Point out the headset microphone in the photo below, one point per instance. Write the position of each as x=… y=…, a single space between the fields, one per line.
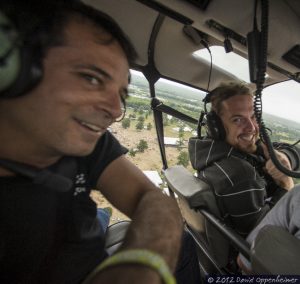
x=43 y=177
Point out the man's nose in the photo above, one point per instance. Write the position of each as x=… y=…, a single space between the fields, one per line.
x=251 y=124
x=114 y=103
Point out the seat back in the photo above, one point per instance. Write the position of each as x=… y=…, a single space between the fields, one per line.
x=194 y=195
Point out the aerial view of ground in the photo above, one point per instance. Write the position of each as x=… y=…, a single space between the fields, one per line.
x=149 y=160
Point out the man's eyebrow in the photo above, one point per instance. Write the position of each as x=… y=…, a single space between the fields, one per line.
x=99 y=70
x=236 y=116
x=95 y=69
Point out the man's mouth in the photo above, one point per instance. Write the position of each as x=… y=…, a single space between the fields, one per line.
x=248 y=137
x=91 y=126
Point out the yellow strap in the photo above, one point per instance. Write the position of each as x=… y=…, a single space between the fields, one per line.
x=137 y=256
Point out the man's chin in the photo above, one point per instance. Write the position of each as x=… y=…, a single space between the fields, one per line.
x=250 y=149
x=82 y=151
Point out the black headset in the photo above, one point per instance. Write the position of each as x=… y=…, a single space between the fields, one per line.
x=213 y=123
x=215 y=128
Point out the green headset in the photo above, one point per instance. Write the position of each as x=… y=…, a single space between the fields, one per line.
x=23 y=32
x=20 y=66
x=9 y=55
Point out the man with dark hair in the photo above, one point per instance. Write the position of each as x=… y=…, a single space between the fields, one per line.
x=55 y=148
x=236 y=163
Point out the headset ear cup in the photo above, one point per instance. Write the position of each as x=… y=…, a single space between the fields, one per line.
x=215 y=126
x=29 y=75
x=20 y=66
x=9 y=55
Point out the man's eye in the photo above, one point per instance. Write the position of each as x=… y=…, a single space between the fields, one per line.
x=237 y=120
x=91 y=79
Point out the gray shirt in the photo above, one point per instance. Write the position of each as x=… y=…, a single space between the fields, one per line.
x=285 y=214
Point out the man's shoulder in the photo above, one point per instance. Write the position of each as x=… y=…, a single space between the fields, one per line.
x=235 y=166
x=107 y=150
x=106 y=144
x=204 y=152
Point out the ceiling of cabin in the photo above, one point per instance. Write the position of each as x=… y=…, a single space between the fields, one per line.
x=173 y=49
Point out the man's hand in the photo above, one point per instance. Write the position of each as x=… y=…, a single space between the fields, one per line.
x=280 y=178
x=156 y=220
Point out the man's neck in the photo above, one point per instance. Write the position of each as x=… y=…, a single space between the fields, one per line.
x=18 y=146
x=23 y=155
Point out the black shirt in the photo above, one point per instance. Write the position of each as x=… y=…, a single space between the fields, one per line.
x=52 y=236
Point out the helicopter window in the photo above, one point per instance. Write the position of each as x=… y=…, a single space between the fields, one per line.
x=283 y=100
x=182 y=98
x=224 y=61
x=137 y=130
x=177 y=132
x=281 y=112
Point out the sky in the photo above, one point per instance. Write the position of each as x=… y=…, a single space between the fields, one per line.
x=283 y=100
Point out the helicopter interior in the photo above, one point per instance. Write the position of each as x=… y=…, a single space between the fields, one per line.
x=166 y=35
x=180 y=41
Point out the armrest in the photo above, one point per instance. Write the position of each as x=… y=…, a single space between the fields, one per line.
x=196 y=192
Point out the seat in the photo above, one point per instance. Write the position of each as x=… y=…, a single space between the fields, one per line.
x=115 y=235
x=203 y=220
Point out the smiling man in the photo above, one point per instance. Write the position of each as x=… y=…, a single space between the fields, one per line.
x=49 y=231
x=236 y=163
x=239 y=122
